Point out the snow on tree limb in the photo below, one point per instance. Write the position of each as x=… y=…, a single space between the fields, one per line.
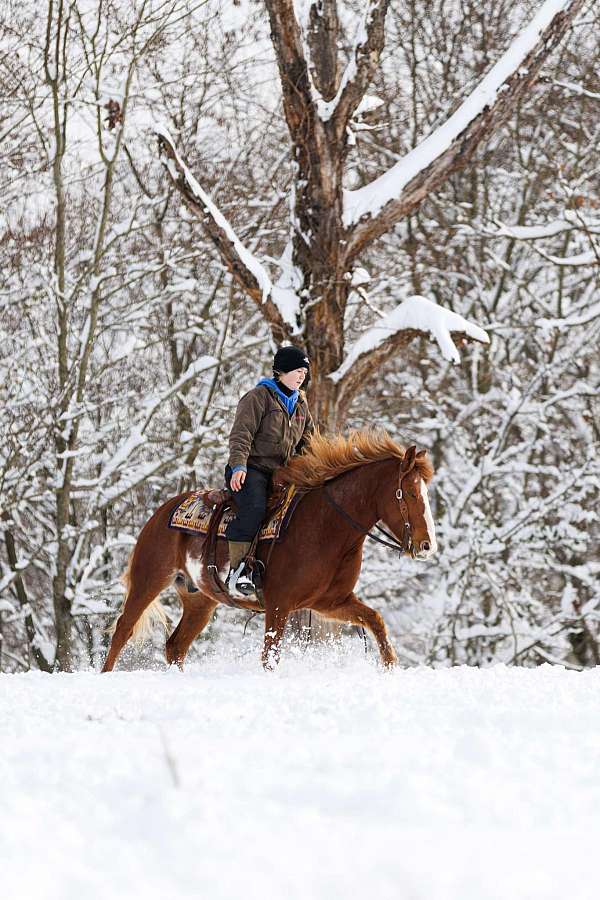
x=137 y=436
x=415 y=315
x=570 y=222
x=277 y=305
x=370 y=199
x=577 y=318
x=587 y=258
x=577 y=89
x=153 y=403
x=376 y=207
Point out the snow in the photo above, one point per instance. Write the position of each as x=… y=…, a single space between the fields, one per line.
x=359 y=276
x=371 y=198
x=416 y=313
x=134 y=439
x=284 y=292
x=288 y=304
x=368 y=103
x=329 y=778
x=533 y=232
x=153 y=402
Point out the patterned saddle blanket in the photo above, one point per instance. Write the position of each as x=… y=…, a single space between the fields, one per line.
x=193 y=515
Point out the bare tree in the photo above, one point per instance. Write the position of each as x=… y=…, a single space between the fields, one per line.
x=330 y=227
x=80 y=46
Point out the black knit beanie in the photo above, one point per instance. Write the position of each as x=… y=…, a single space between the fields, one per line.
x=289 y=358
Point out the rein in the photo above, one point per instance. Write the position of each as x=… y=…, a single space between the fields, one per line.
x=405 y=545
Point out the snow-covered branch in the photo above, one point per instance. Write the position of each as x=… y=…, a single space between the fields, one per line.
x=570 y=222
x=586 y=258
x=373 y=209
x=279 y=305
x=577 y=89
x=580 y=317
x=415 y=315
x=137 y=435
x=364 y=59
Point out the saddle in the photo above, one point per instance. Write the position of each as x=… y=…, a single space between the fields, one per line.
x=195 y=514
x=209 y=512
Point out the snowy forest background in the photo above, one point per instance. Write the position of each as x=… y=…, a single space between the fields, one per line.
x=118 y=384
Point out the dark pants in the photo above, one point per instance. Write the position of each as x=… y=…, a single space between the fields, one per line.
x=251 y=501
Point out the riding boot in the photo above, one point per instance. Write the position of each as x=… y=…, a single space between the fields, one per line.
x=237 y=580
x=237 y=552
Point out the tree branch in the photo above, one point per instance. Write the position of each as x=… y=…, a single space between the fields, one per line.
x=415 y=317
x=42 y=663
x=367 y=364
x=363 y=65
x=293 y=67
x=377 y=207
x=323 y=42
x=247 y=271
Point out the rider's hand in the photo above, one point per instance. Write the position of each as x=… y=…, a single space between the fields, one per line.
x=237 y=479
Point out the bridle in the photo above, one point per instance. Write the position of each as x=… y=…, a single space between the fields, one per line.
x=406 y=544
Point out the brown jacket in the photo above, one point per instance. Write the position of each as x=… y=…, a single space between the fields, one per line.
x=264 y=435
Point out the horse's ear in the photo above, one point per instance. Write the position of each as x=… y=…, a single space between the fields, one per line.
x=408 y=460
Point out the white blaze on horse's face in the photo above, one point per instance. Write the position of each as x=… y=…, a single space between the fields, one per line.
x=425 y=554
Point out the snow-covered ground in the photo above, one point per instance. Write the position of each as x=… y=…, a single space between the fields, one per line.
x=330 y=778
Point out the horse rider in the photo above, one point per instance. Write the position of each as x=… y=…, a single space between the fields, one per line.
x=272 y=423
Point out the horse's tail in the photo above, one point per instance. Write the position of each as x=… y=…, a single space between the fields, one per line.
x=153 y=614
x=144 y=627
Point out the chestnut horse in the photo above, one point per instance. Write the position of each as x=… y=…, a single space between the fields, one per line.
x=353 y=482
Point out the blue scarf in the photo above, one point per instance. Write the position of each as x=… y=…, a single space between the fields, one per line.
x=288 y=402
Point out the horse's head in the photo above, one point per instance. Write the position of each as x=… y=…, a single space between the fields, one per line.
x=405 y=509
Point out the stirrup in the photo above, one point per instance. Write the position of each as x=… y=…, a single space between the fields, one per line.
x=238 y=582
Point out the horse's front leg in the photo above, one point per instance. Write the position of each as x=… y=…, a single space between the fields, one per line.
x=275 y=621
x=356 y=612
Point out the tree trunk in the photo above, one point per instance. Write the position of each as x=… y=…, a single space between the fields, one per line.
x=32 y=641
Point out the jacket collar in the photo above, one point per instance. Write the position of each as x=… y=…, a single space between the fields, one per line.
x=289 y=403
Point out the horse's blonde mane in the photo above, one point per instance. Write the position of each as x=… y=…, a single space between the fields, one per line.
x=327 y=456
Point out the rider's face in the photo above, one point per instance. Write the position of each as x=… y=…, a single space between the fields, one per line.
x=293 y=380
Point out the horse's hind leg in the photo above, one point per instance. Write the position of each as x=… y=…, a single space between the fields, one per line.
x=197 y=613
x=356 y=612
x=143 y=589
